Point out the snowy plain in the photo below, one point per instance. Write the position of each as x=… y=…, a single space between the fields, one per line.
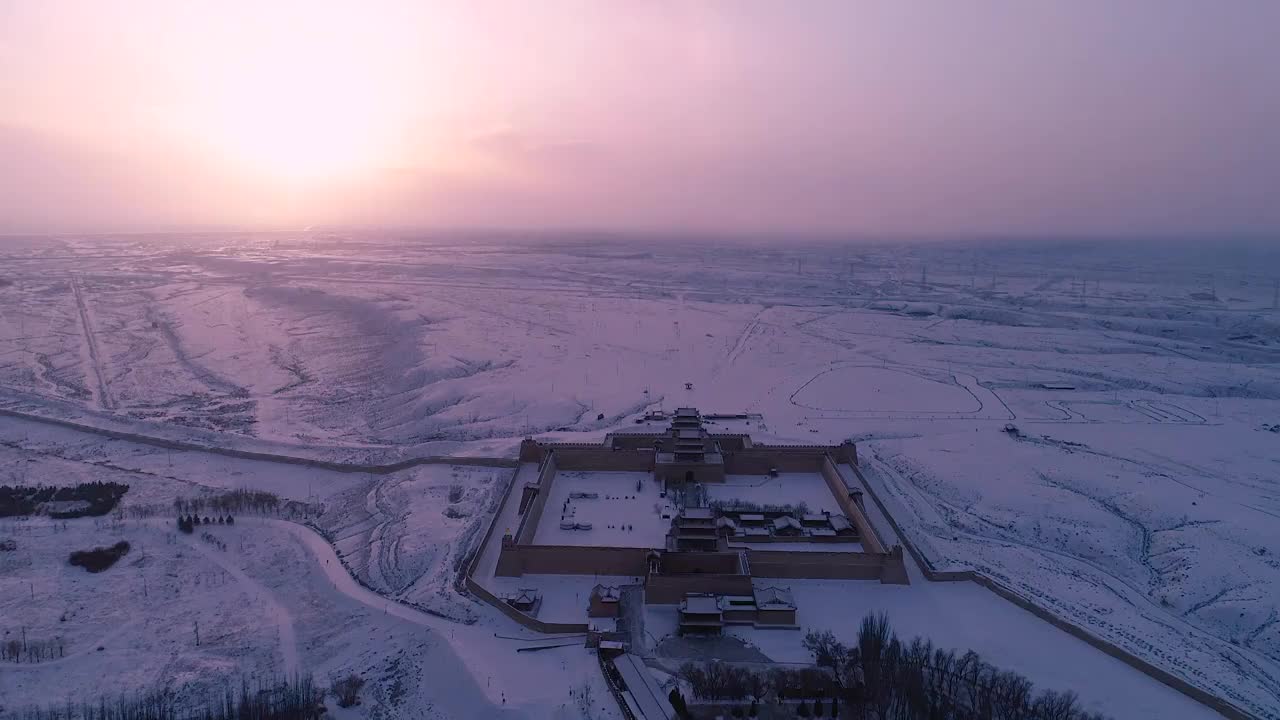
x=1139 y=497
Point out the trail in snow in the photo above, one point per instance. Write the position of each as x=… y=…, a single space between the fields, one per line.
x=276 y=612
x=744 y=337
x=104 y=397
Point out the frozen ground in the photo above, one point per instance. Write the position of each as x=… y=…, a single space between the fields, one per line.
x=1140 y=500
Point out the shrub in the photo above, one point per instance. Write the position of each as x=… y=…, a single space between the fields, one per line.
x=99 y=559
x=347 y=690
x=455 y=493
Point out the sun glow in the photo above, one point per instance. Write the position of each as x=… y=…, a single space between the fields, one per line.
x=303 y=105
x=297 y=134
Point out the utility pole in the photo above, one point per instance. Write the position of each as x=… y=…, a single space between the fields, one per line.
x=197 y=626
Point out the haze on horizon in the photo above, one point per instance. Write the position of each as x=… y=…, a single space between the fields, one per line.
x=1146 y=117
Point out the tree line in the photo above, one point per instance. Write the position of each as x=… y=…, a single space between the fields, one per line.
x=31 y=651
x=188 y=523
x=881 y=677
x=296 y=698
x=233 y=501
x=885 y=678
x=87 y=499
x=245 y=500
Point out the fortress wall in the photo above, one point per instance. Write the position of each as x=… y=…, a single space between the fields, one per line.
x=759 y=462
x=671 y=589
x=576 y=560
x=870 y=540
x=724 y=563
x=604 y=459
x=529 y=523
x=816 y=565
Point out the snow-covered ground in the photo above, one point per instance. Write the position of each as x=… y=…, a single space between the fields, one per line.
x=607 y=509
x=1139 y=500
x=792 y=488
x=275 y=600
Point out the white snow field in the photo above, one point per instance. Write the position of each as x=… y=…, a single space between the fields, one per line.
x=1138 y=498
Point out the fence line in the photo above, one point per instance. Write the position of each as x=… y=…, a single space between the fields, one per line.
x=373 y=468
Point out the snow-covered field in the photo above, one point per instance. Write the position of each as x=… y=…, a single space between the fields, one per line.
x=1139 y=498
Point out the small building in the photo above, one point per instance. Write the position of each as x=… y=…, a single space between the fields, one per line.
x=787 y=526
x=842 y=527
x=775 y=606
x=751 y=518
x=526 y=600
x=738 y=609
x=605 y=601
x=815 y=519
x=700 y=614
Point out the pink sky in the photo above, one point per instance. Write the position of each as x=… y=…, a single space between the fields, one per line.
x=981 y=117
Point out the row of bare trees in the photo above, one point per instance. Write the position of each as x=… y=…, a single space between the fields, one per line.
x=297 y=698
x=31 y=651
x=885 y=678
x=720 y=682
x=232 y=501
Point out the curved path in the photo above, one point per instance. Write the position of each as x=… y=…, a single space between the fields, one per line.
x=276 y=612
x=483 y=652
